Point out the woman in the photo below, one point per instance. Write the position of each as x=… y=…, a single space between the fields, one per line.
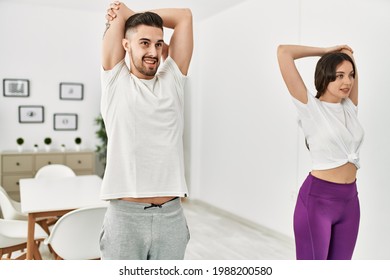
x=327 y=214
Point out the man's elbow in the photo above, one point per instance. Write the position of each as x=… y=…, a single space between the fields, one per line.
x=187 y=14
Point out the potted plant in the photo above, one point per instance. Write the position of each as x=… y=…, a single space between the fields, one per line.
x=77 y=140
x=101 y=134
x=62 y=147
x=35 y=148
x=47 y=142
x=20 y=142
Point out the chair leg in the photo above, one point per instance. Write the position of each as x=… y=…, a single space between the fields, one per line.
x=9 y=250
x=22 y=257
x=55 y=255
x=45 y=225
x=50 y=249
x=37 y=254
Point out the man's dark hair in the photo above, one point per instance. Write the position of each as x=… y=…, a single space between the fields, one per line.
x=146 y=18
x=326 y=70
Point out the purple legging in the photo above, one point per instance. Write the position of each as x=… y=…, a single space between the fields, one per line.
x=326 y=220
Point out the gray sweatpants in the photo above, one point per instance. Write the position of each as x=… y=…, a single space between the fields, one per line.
x=140 y=231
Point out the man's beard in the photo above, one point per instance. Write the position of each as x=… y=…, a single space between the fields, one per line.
x=144 y=70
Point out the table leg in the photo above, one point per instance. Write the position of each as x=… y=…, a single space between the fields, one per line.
x=30 y=237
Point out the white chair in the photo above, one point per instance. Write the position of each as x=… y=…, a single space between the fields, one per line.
x=76 y=235
x=10 y=208
x=13 y=237
x=54 y=170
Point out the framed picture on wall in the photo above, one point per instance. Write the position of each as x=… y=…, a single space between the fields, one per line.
x=71 y=91
x=16 y=88
x=31 y=114
x=65 y=121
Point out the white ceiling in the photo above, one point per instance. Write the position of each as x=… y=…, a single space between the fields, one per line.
x=201 y=9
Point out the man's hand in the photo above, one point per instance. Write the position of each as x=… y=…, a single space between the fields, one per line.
x=112 y=48
x=111 y=11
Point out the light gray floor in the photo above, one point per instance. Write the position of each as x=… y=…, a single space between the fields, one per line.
x=217 y=235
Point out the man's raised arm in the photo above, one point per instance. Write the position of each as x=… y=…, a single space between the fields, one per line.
x=112 y=49
x=182 y=43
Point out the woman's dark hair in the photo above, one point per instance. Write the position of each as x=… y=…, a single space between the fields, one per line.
x=326 y=70
x=146 y=18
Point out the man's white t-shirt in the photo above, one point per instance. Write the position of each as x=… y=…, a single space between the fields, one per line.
x=144 y=122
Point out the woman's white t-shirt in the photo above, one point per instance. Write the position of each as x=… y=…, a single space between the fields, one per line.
x=332 y=130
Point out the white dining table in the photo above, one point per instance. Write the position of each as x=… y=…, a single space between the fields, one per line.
x=48 y=197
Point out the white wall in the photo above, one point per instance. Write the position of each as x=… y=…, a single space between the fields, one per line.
x=251 y=158
x=48 y=46
x=248 y=134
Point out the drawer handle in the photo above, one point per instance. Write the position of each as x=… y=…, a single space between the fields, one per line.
x=79 y=161
x=17 y=183
x=49 y=162
x=17 y=164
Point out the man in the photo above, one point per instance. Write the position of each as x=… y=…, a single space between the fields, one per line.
x=142 y=108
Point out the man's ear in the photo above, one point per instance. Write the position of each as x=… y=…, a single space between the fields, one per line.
x=126 y=44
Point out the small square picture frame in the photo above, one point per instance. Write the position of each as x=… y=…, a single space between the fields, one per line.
x=16 y=88
x=64 y=121
x=31 y=114
x=71 y=91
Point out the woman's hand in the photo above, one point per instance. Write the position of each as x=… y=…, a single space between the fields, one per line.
x=340 y=48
